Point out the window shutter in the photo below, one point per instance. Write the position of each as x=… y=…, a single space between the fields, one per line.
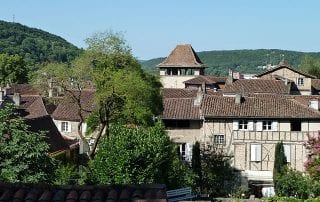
x=274 y=126
x=59 y=126
x=84 y=128
x=189 y=147
x=235 y=125
x=250 y=125
x=287 y=152
x=69 y=126
x=259 y=125
x=256 y=152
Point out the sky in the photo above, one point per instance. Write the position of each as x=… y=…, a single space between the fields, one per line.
x=153 y=28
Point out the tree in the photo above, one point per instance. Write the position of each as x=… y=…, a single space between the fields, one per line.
x=124 y=92
x=196 y=167
x=218 y=176
x=280 y=166
x=311 y=65
x=312 y=165
x=138 y=155
x=12 y=69
x=23 y=154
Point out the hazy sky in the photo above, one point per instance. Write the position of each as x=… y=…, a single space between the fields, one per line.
x=153 y=28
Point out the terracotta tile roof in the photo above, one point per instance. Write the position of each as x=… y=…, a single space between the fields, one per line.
x=206 y=79
x=22 y=89
x=56 y=141
x=68 y=109
x=247 y=86
x=182 y=56
x=37 y=192
x=180 y=108
x=32 y=107
x=284 y=64
x=305 y=99
x=315 y=83
x=254 y=107
x=185 y=92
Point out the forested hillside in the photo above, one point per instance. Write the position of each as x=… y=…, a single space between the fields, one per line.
x=34 y=45
x=246 y=61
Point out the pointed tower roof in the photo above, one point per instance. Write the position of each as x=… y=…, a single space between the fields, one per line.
x=182 y=56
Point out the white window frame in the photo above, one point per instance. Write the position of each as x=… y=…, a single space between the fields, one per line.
x=243 y=124
x=255 y=152
x=300 y=81
x=219 y=139
x=182 y=149
x=267 y=125
x=64 y=126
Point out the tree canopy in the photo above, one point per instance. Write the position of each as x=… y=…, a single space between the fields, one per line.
x=137 y=155
x=23 y=154
x=12 y=69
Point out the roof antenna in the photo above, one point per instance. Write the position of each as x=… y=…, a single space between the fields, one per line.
x=13 y=16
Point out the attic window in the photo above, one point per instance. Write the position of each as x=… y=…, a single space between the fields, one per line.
x=300 y=82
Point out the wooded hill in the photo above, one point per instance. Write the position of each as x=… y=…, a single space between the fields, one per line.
x=35 y=45
x=246 y=61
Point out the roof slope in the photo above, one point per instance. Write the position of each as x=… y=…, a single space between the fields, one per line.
x=284 y=64
x=22 y=89
x=315 y=83
x=182 y=56
x=185 y=92
x=247 y=86
x=180 y=108
x=42 y=192
x=206 y=79
x=254 y=107
x=55 y=140
x=68 y=109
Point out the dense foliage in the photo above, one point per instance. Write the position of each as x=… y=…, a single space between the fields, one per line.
x=247 y=61
x=213 y=173
x=12 y=69
x=313 y=164
x=23 y=154
x=34 y=45
x=311 y=65
x=138 y=156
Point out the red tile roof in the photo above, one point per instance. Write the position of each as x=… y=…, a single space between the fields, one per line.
x=37 y=192
x=68 y=109
x=32 y=107
x=247 y=86
x=56 y=141
x=180 y=108
x=184 y=92
x=22 y=89
x=254 y=107
x=206 y=79
x=182 y=56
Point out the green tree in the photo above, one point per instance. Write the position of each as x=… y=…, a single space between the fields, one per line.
x=124 y=92
x=311 y=65
x=138 y=155
x=218 y=177
x=279 y=167
x=12 y=69
x=23 y=154
x=196 y=167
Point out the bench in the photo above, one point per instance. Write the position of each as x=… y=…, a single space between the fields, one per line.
x=179 y=194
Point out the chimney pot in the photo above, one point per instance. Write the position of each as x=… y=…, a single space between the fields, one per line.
x=238 y=99
x=16 y=99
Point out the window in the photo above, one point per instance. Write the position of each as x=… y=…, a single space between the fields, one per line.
x=255 y=152
x=287 y=152
x=185 y=151
x=243 y=125
x=218 y=139
x=64 y=127
x=267 y=125
x=295 y=125
x=300 y=82
x=177 y=123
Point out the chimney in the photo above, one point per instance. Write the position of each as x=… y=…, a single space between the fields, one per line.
x=16 y=99
x=314 y=104
x=197 y=101
x=203 y=87
x=230 y=77
x=1 y=95
x=238 y=99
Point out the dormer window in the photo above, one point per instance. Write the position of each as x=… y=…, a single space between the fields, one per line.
x=300 y=82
